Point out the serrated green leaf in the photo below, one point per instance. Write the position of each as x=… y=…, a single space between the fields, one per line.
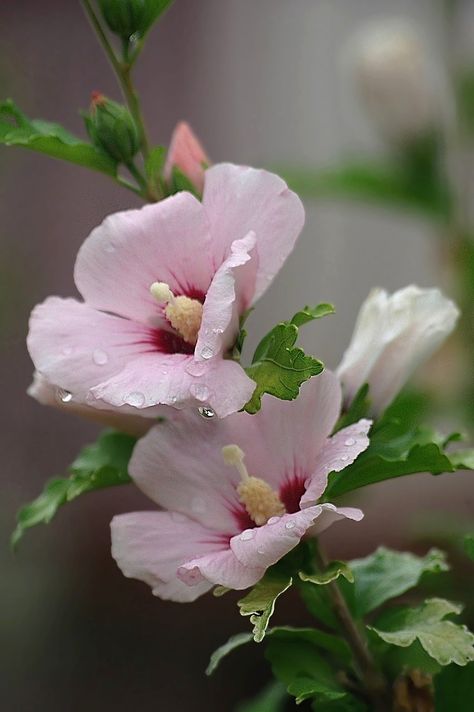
x=386 y=574
x=332 y=572
x=271 y=699
x=311 y=313
x=454 y=689
x=51 y=139
x=234 y=642
x=443 y=640
x=259 y=604
x=281 y=367
x=103 y=464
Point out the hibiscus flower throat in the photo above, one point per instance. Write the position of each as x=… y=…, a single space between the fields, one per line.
x=183 y=313
x=258 y=498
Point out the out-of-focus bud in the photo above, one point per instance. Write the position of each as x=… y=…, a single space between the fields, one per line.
x=186 y=154
x=131 y=18
x=398 y=79
x=393 y=335
x=112 y=128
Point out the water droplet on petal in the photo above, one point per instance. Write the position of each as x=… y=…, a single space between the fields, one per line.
x=290 y=525
x=206 y=412
x=64 y=396
x=217 y=331
x=100 y=357
x=196 y=368
x=136 y=399
x=260 y=551
x=206 y=353
x=200 y=391
x=246 y=535
x=273 y=520
x=344 y=458
x=349 y=442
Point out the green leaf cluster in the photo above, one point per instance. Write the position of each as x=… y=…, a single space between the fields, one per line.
x=103 y=464
x=279 y=367
x=259 y=604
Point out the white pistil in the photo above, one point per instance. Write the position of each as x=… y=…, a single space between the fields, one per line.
x=260 y=501
x=183 y=313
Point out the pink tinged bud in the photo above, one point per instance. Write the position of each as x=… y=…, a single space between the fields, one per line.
x=187 y=154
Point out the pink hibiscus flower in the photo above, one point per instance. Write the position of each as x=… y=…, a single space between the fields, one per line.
x=238 y=493
x=163 y=290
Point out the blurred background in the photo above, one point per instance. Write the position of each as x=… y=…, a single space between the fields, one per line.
x=269 y=84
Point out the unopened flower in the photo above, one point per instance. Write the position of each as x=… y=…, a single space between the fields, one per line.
x=238 y=494
x=398 y=80
x=164 y=288
x=393 y=335
x=112 y=129
x=186 y=154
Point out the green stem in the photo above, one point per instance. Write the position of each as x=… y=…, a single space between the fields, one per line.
x=373 y=681
x=123 y=71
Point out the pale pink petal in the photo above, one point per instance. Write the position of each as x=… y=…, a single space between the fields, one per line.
x=187 y=154
x=151 y=547
x=221 y=568
x=330 y=514
x=48 y=394
x=263 y=546
x=167 y=242
x=173 y=379
x=238 y=200
x=229 y=295
x=339 y=451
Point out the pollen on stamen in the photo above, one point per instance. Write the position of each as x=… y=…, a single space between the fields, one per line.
x=183 y=313
x=258 y=498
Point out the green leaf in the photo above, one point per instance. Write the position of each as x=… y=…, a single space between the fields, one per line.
x=103 y=464
x=359 y=408
x=443 y=640
x=51 y=139
x=272 y=699
x=311 y=313
x=386 y=574
x=259 y=604
x=454 y=688
x=235 y=641
x=180 y=181
x=332 y=572
x=279 y=368
x=469 y=545
x=304 y=688
x=462 y=459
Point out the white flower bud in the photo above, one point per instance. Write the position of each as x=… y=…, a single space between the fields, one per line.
x=393 y=335
x=398 y=79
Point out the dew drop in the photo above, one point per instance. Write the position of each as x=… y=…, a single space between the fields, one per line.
x=200 y=391
x=344 y=458
x=349 y=442
x=206 y=353
x=100 y=357
x=64 y=396
x=136 y=399
x=206 y=412
x=246 y=535
x=260 y=551
x=273 y=520
x=196 y=368
x=290 y=525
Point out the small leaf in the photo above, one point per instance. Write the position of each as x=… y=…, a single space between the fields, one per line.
x=235 y=641
x=103 y=464
x=304 y=688
x=332 y=572
x=311 y=313
x=52 y=139
x=454 y=688
x=281 y=367
x=443 y=640
x=259 y=604
x=386 y=574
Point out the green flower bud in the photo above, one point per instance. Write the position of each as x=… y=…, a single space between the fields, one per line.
x=112 y=128
x=127 y=18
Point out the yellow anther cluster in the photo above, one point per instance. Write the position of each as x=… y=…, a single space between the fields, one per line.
x=185 y=315
x=260 y=501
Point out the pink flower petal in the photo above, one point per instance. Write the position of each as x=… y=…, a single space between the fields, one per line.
x=221 y=568
x=151 y=547
x=166 y=242
x=238 y=200
x=339 y=451
x=229 y=295
x=187 y=154
x=47 y=394
x=330 y=514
